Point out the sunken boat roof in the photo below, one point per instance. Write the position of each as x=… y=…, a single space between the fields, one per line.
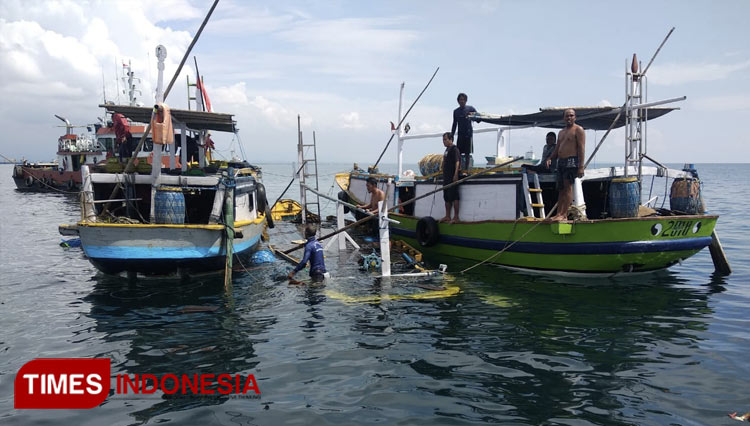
x=196 y=120
x=594 y=118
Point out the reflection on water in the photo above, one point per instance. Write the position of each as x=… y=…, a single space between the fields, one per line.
x=161 y=336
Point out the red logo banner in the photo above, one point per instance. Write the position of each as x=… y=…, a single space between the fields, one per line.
x=62 y=383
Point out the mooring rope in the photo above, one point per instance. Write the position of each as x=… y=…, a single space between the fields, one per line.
x=514 y=242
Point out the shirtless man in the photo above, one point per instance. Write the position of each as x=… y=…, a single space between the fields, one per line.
x=377 y=195
x=571 y=144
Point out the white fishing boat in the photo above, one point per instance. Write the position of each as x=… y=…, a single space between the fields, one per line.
x=188 y=218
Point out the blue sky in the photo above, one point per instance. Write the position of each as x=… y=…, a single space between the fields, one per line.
x=339 y=65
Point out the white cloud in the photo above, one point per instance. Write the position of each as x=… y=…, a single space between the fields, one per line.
x=723 y=103
x=231 y=96
x=278 y=114
x=350 y=120
x=680 y=73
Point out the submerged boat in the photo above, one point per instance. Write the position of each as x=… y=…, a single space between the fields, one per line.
x=503 y=209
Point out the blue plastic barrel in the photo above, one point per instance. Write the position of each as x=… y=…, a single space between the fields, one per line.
x=624 y=197
x=169 y=205
x=685 y=196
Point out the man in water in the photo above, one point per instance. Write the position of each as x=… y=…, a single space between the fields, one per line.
x=569 y=153
x=462 y=122
x=313 y=254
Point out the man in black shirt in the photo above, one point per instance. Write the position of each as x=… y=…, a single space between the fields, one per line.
x=450 y=174
x=462 y=122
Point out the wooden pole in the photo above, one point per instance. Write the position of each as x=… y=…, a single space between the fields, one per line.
x=229 y=240
x=131 y=161
x=721 y=263
x=404 y=117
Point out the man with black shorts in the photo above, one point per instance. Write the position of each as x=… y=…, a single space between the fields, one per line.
x=451 y=167
x=462 y=123
x=569 y=153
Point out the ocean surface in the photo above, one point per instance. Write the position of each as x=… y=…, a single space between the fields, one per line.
x=668 y=348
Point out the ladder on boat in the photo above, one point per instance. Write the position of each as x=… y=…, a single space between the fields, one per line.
x=533 y=204
x=303 y=150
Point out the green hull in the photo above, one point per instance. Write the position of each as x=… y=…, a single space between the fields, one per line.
x=596 y=246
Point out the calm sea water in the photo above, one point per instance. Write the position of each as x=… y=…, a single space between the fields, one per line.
x=664 y=348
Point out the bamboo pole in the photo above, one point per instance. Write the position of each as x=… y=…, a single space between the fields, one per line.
x=131 y=161
x=404 y=117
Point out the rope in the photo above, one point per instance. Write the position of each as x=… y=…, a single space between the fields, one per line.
x=52 y=187
x=514 y=242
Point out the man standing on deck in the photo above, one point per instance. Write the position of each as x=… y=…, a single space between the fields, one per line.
x=462 y=122
x=450 y=174
x=569 y=152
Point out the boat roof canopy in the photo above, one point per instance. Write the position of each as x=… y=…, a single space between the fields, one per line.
x=594 y=118
x=196 y=120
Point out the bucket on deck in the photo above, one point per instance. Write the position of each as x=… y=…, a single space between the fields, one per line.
x=685 y=196
x=169 y=205
x=624 y=197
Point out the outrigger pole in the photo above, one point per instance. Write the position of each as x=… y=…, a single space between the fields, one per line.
x=398 y=127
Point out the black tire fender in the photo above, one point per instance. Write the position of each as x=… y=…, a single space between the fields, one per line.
x=269 y=219
x=260 y=196
x=427 y=231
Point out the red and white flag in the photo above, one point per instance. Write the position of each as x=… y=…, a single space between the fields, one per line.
x=201 y=96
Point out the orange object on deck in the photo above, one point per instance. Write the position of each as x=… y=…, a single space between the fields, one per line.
x=161 y=125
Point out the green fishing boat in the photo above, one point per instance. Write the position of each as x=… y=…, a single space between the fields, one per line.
x=504 y=218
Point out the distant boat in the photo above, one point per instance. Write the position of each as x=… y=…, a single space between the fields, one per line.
x=73 y=151
x=93 y=146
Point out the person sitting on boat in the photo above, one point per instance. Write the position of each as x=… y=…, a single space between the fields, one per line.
x=462 y=123
x=313 y=254
x=377 y=195
x=549 y=148
x=451 y=159
x=569 y=153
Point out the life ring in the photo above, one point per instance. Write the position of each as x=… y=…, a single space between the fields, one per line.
x=70 y=185
x=29 y=181
x=344 y=196
x=427 y=231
